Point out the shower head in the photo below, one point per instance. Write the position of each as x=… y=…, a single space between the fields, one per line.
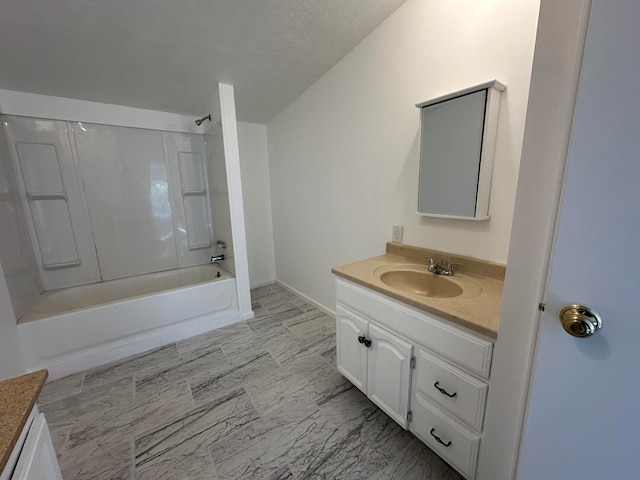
x=200 y=120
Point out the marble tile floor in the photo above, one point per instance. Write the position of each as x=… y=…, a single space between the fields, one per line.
x=260 y=399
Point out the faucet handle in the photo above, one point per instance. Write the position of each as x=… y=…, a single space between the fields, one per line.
x=451 y=265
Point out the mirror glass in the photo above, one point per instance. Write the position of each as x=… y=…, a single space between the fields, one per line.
x=455 y=163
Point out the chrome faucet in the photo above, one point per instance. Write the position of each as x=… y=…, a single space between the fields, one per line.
x=440 y=269
x=217 y=258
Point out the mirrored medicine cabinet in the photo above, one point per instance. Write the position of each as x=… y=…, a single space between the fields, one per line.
x=457 y=144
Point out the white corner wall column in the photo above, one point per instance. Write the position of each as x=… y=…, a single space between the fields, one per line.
x=222 y=106
x=256 y=194
x=554 y=83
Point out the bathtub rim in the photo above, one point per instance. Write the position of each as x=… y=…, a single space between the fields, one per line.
x=43 y=296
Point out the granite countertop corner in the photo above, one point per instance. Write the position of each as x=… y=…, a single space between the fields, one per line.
x=17 y=398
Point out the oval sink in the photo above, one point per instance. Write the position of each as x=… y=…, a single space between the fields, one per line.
x=421 y=283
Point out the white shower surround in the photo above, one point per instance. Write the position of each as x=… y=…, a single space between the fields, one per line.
x=75 y=341
x=73 y=338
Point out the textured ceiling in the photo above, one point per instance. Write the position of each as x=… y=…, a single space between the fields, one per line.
x=168 y=54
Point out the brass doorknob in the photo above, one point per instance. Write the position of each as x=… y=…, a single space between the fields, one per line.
x=580 y=320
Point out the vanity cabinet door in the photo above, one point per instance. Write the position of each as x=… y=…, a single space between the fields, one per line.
x=351 y=354
x=389 y=373
x=38 y=459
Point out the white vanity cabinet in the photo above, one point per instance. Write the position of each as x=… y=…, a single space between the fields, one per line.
x=428 y=374
x=33 y=457
x=376 y=361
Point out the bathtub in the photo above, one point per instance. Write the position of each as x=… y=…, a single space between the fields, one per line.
x=72 y=329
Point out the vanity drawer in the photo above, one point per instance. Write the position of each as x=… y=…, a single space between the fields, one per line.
x=462 y=395
x=457 y=445
x=463 y=348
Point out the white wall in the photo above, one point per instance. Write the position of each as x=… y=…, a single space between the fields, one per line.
x=344 y=155
x=256 y=193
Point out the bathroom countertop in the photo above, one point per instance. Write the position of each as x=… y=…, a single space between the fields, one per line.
x=17 y=397
x=478 y=310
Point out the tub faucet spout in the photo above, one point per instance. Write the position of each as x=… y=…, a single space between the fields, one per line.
x=217 y=258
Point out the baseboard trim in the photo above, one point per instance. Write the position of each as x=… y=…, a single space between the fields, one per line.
x=307 y=299
x=263 y=284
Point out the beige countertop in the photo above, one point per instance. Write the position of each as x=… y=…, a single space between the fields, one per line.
x=477 y=308
x=17 y=397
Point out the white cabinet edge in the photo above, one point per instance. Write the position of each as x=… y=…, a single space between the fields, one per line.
x=481 y=365
x=499 y=86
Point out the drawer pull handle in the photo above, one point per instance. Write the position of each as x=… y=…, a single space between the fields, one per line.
x=444 y=392
x=438 y=439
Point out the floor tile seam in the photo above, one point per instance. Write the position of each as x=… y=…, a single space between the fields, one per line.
x=167 y=361
x=219 y=343
x=103 y=385
x=252 y=399
x=213 y=465
x=63 y=447
x=84 y=375
x=203 y=444
x=332 y=444
x=131 y=358
x=120 y=410
x=180 y=363
x=185 y=416
x=291 y=332
x=226 y=355
x=291 y=470
x=193 y=401
x=112 y=439
x=74 y=391
x=132 y=460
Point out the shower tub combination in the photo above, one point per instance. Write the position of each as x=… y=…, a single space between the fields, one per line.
x=72 y=329
x=104 y=206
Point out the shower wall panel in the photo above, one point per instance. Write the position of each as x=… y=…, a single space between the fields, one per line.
x=189 y=191
x=15 y=248
x=55 y=211
x=127 y=191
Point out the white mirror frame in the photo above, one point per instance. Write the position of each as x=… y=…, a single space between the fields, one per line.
x=494 y=90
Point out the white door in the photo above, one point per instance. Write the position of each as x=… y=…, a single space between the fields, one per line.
x=389 y=373
x=584 y=413
x=351 y=330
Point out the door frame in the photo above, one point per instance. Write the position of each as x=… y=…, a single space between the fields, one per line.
x=555 y=76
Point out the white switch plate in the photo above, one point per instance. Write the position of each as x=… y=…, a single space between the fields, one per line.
x=396 y=236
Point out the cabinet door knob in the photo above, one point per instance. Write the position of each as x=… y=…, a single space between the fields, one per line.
x=444 y=392
x=367 y=343
x=361 y=339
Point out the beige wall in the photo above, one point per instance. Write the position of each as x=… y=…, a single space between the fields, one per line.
x=344 y=155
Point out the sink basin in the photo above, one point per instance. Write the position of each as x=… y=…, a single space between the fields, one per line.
x=419 y=282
